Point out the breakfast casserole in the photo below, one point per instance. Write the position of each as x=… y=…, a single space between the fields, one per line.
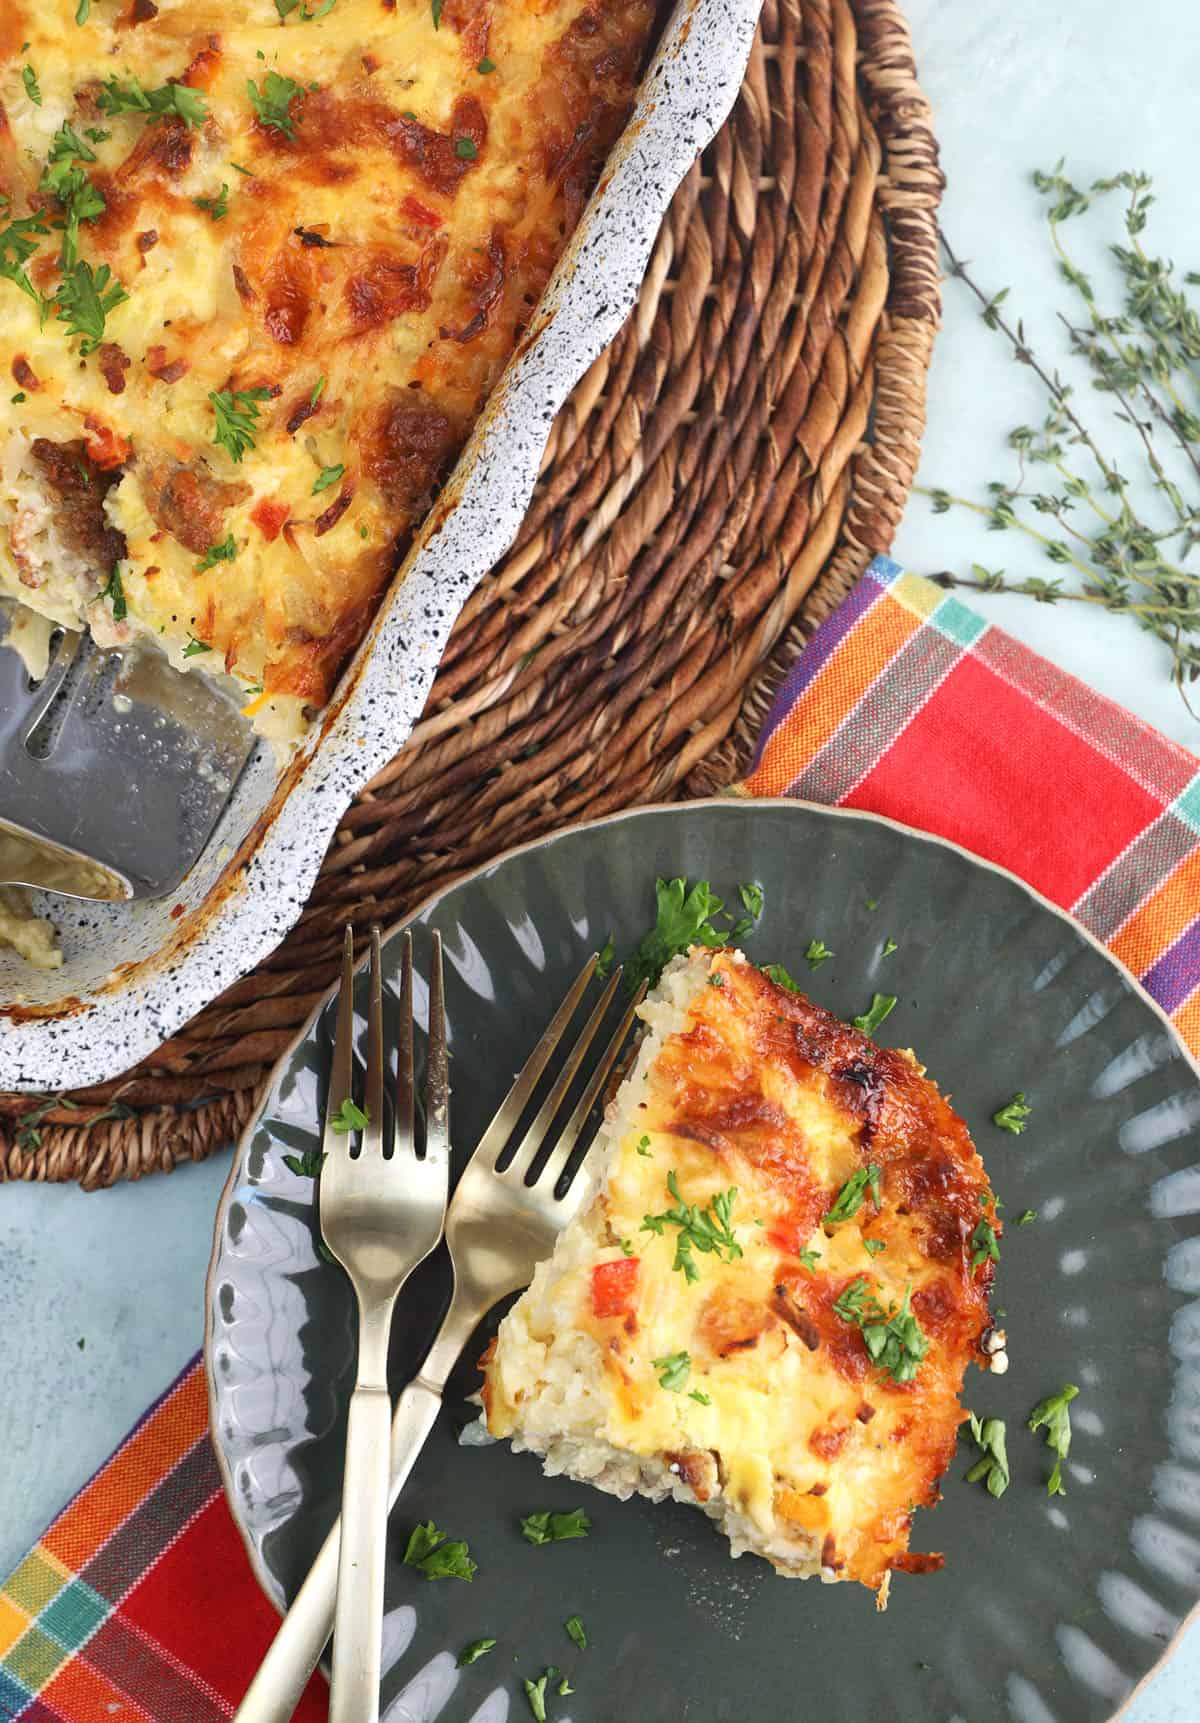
x=769 y=1305
x=260 y=266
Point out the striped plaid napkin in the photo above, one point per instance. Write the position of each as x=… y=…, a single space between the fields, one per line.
x=138 y=1604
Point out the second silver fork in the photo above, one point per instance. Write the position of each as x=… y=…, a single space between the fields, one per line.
x=380 y=1216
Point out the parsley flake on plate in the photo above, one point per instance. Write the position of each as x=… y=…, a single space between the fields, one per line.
x=778 y=974
x=604 y=958
x=552 y=1528
x=535 y=1691
x=478 y=1647
x=818 y=952
x=195 y=647
x=436 y=1555
x=753 y=897
x=683 y=917
x=708 y=1230
x=991 y=1468
x=673 y=1369
x=305 y=1166
x=350 y=1117
x=1027 y=1217
x=1054 y=1413
x=1012 y=1116
x=882 y=1005
x=574 y=1626
x=850 y=1198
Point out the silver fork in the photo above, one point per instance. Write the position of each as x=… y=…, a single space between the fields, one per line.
x=498 y=1229
x=380 y=1215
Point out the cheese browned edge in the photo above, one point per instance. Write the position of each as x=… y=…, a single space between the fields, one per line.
x=806 y=1453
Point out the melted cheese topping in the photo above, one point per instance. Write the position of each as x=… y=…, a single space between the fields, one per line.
x=372 y=272
x=766 y=1093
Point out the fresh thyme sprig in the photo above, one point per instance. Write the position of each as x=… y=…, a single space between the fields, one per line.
x=1146 y=358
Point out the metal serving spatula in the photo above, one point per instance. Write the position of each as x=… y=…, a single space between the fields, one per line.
x=114 y=768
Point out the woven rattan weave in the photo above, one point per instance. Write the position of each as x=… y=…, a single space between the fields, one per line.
x=714 y=485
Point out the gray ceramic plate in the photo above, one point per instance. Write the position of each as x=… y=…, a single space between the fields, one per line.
x=1047 y=1609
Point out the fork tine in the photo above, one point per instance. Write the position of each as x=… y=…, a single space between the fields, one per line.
x=532 y=1141
x=404 y=1050
x=569 y=1136
x=341 y=1071
x=437 y=1075
x=372 y=1137
x=515 y=1102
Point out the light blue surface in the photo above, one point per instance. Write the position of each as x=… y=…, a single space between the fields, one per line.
x=1014 y=84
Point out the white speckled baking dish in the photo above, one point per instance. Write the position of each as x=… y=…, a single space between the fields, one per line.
x=133 y=973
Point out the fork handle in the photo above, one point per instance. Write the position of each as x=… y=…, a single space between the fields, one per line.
x=358 y=1619
x=296 y=1650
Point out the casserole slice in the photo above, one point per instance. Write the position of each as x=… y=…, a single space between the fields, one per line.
x=768 y=1308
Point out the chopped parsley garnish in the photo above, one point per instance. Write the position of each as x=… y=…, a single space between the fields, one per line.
x=66 y=181
x=485 y=66
x=328 y=476
x=478 y=1647
x=1055 y=1413
x=225 y=552
x=707 y=1230
x=604 y=958
x=217 y=207
x=873 y=1246
x=673 y=1368
x=553 y=1528
x=626 y=1247
x=850 y=1198
x=195 y=647
x=701 y=1399
x=350 y=1117
x=17 y=246
x=984 y=1245
x=818 y=952
x=305 y=1166
x=236 y=413
x=992 y=1467
x=643 y=1148
x=273 y=102
x=1013 y=1115
x=318 y=391
x=872 y=903
x=465 y=149
x=286 y=7
x=238 y=168
x=29 y=79
x=437 y=1556
x=1027 y=1217
x=889 y=947
x=535 y=1691
x=83 y=12
x=894 y=1338
x=574 y=1626
x=113 y=590
x=18 y=397
x=564 y=1687
x=96 y=135
x=83 y=302
x=126 y=96
x=716 y=979
x=683 y=918
x=436 y=9
x=882 y=1005
x=779 y=975
x=752 y=897
x=809 y=1259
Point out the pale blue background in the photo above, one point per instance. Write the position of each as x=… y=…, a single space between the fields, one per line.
x=1015 y=83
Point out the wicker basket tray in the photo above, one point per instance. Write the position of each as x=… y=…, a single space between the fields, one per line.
x=714 y=485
